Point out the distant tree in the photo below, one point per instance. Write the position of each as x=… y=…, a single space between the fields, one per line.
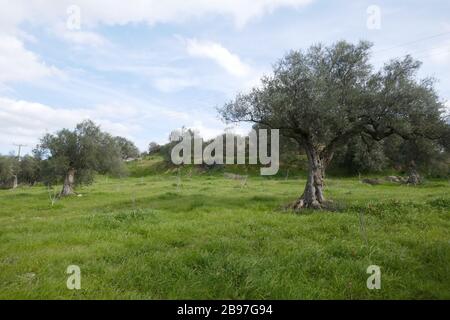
x=28 y=171
x=13 y=170
x=7 y=175
x=360 y=155
x=407 y=156
x=79 y=153
x=327 y=95
x=127 y=148
x=412 y=156
x=153 y=147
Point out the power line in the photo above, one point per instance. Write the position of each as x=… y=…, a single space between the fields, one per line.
x=431 y=54
x=437 y=53
x=413 y=42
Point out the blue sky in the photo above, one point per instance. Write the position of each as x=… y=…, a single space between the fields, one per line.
x=143 y=68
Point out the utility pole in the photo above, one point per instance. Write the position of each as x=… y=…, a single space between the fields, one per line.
x=20 y=148
x=15 y=182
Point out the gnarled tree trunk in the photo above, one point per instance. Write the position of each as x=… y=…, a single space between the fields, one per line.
x=312 y=196
x=69 y=181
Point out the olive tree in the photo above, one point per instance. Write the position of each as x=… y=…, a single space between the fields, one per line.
x=153 y=147
x=79 y=153
x=128 y=149
x=326 y=95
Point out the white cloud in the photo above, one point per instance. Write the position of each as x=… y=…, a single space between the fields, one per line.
x=119 y=12
x=19 y=64
x=155 y=11
x=25 y=65
x=211 y=50
x=25 y=122
x=214 y=128
x=79 y=37
x=84 y=38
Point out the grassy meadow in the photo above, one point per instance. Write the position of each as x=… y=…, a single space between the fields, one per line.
x=153 y=236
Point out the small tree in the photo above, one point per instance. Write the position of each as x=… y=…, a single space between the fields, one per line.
x=79 y=153
x=28 y=171
x=127 y=148
x=325 y=96
x=153 y=147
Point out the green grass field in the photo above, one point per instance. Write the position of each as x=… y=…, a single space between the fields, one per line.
x=210 y=238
